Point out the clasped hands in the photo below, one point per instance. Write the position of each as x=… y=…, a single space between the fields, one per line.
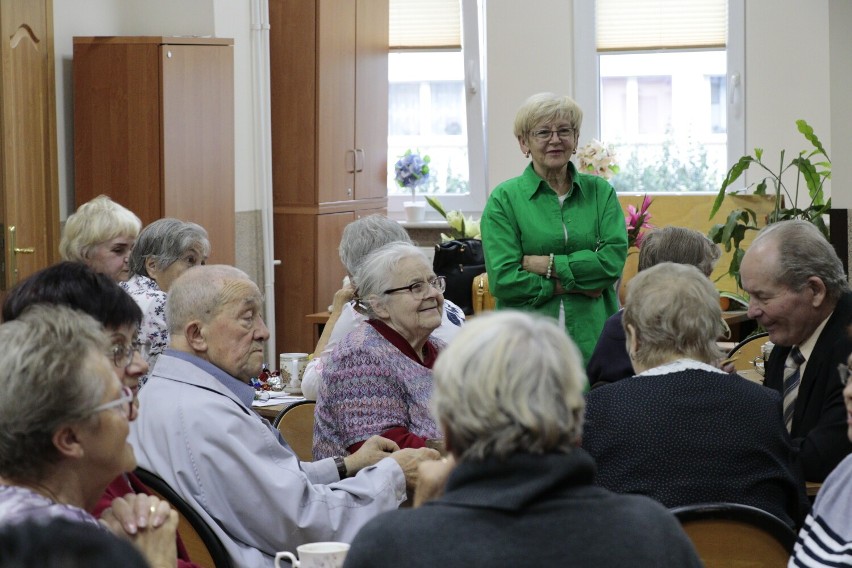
x=537 y=264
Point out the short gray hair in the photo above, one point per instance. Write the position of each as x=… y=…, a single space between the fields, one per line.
x=675 y=311
x=166 y=241
x=510 y=382
x=47 y=381
x=376 y=272
x=803 y=251
x=679 y=245
x=198 y=294
x=363 y=236
x=545 y=107
x=96 y=222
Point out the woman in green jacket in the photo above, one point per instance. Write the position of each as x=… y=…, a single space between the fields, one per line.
x=554 y=239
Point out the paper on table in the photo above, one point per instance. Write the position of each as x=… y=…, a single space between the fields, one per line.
x=272 y=401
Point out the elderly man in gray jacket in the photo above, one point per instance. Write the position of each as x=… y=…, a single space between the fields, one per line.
x=197 y=431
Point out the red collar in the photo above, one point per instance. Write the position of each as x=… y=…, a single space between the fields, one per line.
x=398 y=341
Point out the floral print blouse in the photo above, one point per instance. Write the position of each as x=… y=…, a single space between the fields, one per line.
x=153 y=334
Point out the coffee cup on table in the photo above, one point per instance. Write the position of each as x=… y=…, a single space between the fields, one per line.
x=292 y=367
x=315 y=555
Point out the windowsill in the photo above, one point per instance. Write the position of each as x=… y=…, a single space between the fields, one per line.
x=440 y=225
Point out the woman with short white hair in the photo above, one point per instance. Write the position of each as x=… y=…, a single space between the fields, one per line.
x=509 y=399
x=681 y=430
x=378 y=379
x=101 y=234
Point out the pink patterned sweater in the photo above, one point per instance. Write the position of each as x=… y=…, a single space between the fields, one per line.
x=369 y=387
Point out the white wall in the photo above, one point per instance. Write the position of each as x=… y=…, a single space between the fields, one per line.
x=219 y=18
x=840 y=44
x=787 y=76
x=529 y=51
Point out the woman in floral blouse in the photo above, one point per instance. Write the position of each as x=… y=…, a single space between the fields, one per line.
x=163 y=251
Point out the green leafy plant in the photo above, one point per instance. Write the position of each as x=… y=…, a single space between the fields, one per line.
x=812 y=167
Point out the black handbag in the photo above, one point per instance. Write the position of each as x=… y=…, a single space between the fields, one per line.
x=459 y=262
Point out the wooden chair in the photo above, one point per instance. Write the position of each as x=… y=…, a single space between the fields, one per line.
x=296 y=424
x=204 y=547
x=746 y=350
x=729 y=534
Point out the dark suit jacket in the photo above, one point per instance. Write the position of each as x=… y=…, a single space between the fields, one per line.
x=610 y=361
x=819 y=428
x=695 y=436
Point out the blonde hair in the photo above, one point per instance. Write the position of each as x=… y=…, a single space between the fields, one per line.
x=510 y=382
x=95 y=222
x=546 y=107
x=674 y=310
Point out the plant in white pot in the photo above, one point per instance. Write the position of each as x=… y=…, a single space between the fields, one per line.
x=412 y=170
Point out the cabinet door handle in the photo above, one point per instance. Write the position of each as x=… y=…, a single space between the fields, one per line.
x=354 y=161
x=360 y=152
x=16 y=250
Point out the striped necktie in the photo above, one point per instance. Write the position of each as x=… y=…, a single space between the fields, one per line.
x=792 y=378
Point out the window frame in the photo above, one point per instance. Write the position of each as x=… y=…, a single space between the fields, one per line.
x=472 y=18
x=587 y=75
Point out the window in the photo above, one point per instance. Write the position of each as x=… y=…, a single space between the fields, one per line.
x=662 y=100
x=434 y=99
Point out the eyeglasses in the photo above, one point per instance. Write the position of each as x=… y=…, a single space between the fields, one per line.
x=420 y=289
x=546 y=134
x=844 y=371
x=122 y=355
x=125 y=402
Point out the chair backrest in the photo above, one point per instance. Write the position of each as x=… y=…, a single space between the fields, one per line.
x=729 y=534
x=746 y=350
x=296 y=424
x=204 y=547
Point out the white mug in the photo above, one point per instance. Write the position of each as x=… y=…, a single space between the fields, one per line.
x=292 y=367
x=316 y=555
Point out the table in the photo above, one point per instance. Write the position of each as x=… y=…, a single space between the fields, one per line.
x=270 y=411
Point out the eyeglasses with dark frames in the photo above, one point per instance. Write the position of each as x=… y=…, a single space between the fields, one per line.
x=420 y=289
x=124 y=403
x=545 y=134
x=122 y=355
x=844 y=372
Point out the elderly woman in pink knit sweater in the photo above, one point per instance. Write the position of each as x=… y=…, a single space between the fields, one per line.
x=378 y=379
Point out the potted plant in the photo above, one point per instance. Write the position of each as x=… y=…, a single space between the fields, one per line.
x=813 y=167
x=412 y=170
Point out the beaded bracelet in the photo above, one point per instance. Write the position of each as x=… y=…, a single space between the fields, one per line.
x=549 y=267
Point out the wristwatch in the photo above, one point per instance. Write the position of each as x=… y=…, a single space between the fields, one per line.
x=341 y=466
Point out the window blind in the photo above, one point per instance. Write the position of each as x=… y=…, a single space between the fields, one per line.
x=631 y=25
x=425 y=24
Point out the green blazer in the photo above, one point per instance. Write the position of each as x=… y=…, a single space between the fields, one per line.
x=586 y=234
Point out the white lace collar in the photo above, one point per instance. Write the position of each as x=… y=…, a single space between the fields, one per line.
x=680 y=365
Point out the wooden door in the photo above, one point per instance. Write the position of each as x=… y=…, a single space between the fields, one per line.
x=371 y=99
x=336 y=103
x=198 y=140
x=27 y=140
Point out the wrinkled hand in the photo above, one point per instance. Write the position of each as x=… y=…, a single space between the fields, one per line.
x=134 y=511
x=372 y=451
x=154 y=531
x=342 y=297
x=432 y=479
x=410 y=459
x=537 y=264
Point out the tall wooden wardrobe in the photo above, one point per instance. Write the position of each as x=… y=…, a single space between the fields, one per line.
x=154 y=129
x=329 y=89
x=29 y=194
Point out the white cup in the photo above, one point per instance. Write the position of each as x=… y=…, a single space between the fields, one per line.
x=316 y=555
x=292 y=367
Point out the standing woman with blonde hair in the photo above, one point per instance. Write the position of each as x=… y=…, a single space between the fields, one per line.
x=554 y=238
x=101 y=234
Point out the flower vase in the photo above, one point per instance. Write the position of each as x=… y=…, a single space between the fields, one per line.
x=415 y=211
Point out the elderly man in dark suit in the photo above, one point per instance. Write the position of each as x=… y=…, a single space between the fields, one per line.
x=800 y=295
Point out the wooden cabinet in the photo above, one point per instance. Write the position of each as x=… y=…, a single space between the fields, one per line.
x=329 y=89
x=29 y=195
x=154 y=129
